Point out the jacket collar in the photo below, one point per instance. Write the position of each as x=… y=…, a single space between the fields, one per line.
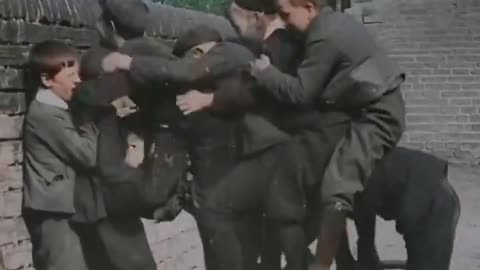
x=46 y=96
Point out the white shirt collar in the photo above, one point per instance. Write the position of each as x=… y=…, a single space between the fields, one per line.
x=277 y=23
x=46 y=96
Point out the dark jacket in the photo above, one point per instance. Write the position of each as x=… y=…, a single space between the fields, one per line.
x=403 y=186
x=127 y=190
x=224 y=65
x=333 y=43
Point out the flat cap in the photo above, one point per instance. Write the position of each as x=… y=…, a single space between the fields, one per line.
x=129 y=16
x=265 y=6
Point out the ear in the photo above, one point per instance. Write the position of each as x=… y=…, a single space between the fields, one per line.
x=311 y=7
x=45 y=80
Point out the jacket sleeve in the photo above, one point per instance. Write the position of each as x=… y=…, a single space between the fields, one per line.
x=76 y=146
x=311 y=77
x=215 y=64
x=111 y=154
x=234 y=94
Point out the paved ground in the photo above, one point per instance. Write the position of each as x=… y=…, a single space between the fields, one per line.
x=185 y=252
x=467 y=246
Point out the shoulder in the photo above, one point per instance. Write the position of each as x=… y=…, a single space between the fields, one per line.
x=332 y=26
x=42 y=115
x=148 y=47
x=234 y=49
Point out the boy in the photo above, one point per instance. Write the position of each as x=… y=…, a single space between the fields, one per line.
x=55 y=150
x=343 y=73
x=411 y=188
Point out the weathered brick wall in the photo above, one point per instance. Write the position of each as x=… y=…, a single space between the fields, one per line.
x=437 y=42
x=25 y=22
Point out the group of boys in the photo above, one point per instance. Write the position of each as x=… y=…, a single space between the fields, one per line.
x=288 y=129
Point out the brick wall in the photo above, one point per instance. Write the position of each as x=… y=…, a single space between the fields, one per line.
x=437 y=42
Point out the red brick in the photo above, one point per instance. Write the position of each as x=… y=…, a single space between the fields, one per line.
x=12 y=204
x=11 y=127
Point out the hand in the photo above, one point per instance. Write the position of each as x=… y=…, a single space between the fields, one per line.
x=194 y=101
x=135 y=152
x=116 y=61
x=124 y=106
x=259 y=64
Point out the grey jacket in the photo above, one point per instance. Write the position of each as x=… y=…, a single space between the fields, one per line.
x=54 y=149
x=334 y=42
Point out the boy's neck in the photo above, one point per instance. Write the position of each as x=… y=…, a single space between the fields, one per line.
x=275 y=24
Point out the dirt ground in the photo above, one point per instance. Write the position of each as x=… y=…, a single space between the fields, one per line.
x=466 y=182
x=184 y=250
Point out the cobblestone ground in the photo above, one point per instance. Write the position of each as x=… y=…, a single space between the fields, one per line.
x=187 y=254
x=467 y=245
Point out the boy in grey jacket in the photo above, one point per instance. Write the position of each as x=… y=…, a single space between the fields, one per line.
x=55 y=151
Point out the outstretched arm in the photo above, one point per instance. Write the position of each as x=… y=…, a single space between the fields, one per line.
x=146 y=69
x=310 y=80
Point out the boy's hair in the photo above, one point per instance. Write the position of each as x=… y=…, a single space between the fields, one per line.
x=194 y=37
x=317 y=3
x=49 y=57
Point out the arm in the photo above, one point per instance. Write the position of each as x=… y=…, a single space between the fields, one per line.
x=218 y=62
x=112 y=151
x=312 y=75
x=231 y=95
x=76 y=146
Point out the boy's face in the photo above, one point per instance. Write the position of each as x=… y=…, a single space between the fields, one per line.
x=65 y=81
x=297 y=17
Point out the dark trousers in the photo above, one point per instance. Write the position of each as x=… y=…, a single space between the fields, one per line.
x=113 y=244
x=251 y=187
x=373 y=133
x=430 y=248
x=117 y=244
x=56 y=243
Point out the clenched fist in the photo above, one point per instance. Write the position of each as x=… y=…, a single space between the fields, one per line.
x=116 y=61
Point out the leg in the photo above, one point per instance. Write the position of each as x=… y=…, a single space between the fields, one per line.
x=271 y=253
x=251 y=231
x=432 y=247
x=344 y=258
x=238 y=193
x=332 y=227
x=365 y=222
x=55 y=243
x=221 y=241
x=293 y=243
x=369 y=138
x=372 y=135
x=125 y=243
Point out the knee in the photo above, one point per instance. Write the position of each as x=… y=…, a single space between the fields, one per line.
x=339 y=203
